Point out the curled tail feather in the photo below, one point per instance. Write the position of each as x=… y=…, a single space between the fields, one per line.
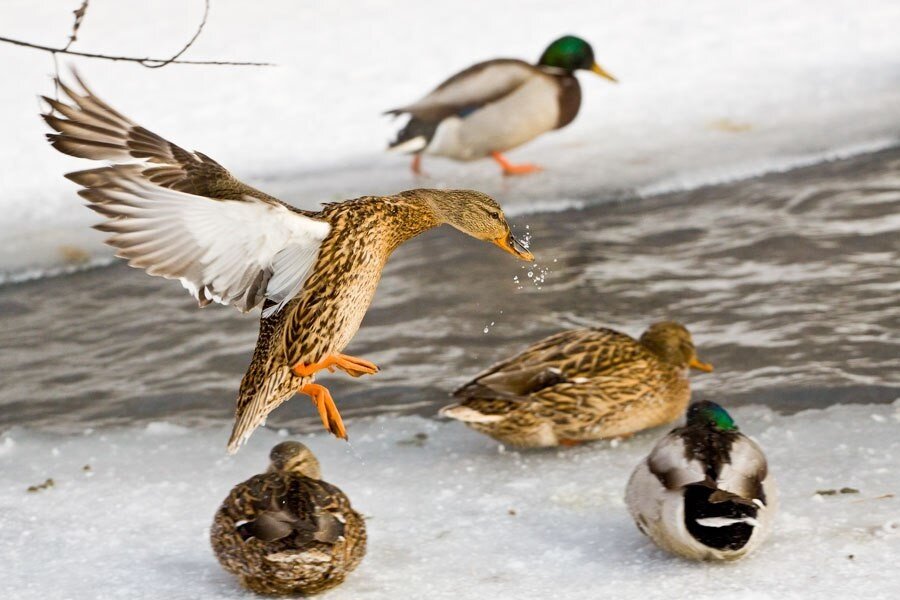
x=415 y=135
x=258 y=397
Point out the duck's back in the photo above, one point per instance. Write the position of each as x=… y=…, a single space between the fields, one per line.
x=492 y=106
x=285 y=533
x=704 y=495
x=573 y=355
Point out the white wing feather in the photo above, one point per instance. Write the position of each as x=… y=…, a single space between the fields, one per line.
x=236 y=252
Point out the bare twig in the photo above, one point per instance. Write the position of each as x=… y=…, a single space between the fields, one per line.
x=147 y=62
x=79 y=16
x=150 y=63
x=190 y=42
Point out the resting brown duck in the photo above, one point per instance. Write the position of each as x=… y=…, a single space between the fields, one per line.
x=582 y=385
x=181 y=215
x=286 y=531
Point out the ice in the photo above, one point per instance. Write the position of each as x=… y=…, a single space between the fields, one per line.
x=710 y=90
x=450 y=515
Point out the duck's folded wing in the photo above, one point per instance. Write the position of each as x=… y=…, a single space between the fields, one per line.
x=181 y=216
x=669 y=462
x=566 y=356
x=746 y=470
x=470 y=89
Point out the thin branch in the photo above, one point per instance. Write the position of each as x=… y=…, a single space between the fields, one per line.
x=147 y=62
x=190 y=42
x=79 y=15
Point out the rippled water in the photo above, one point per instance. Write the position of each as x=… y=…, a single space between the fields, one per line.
x=789 y=283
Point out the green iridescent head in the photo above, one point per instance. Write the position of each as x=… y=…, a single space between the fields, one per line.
x=710 y=414
x=571 y=53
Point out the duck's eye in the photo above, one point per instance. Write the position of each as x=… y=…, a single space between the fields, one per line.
x=494 y=214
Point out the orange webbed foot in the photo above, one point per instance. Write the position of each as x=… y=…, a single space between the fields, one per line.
x=328 y=411
x=511 y=169
x=351 y=365
x=355 y=366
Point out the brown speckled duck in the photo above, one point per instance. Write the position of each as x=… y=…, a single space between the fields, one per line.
x=582 y=385
x=286 y=531
x=181 y=215
x=497 y=105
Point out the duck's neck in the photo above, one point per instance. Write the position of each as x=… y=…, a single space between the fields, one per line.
x=410 y=213
x=666 y=354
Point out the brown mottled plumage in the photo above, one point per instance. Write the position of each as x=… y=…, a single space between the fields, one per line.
x=181 y=215
x=582 y=385
x=286 y=531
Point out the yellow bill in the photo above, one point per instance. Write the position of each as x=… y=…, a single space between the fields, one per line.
x=603 y=73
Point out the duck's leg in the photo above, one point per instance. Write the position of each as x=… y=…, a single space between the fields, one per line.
x=416 y=165
x=351 y=365
x=511 y=169
x=328 y=412
x=570 y=443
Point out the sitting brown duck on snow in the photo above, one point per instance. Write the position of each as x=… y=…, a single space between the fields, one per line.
x=181 y=215
x=582 y=385
x=286 y=531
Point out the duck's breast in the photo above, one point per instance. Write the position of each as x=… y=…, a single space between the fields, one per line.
x=337 y=294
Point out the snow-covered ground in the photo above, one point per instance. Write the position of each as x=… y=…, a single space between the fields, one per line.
x=449 y=515
x=710 y=89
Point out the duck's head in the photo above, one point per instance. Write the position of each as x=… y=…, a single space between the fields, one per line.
x=671 y=342
x=294 y=457
x=477 y=215
x=710 y=414
x=571 y=53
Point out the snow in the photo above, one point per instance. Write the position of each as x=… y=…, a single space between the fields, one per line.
x=450 y=514
x=710 y=90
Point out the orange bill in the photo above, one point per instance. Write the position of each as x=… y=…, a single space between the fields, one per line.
x=514 y=247
x=700 y=366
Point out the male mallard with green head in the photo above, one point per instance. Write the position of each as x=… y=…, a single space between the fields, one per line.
x=181 y=215
x=498 y=105
x=705 y=491
x=582 y=385
x=286 y=531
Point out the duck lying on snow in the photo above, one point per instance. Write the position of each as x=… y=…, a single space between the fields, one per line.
x=181 y=215
x=497 y=105
x=705 y=491
x=582 y=385
x=287 y=531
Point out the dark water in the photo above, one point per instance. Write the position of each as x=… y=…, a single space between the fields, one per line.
x=789 y=282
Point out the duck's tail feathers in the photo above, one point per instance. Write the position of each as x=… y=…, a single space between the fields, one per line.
x=718 y=518
x=257 y=398
x=414 y=137
x=466 y=414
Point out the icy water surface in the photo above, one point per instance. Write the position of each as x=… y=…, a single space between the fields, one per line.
x=789 y=283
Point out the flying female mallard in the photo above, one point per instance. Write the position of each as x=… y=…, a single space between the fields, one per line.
x=498 y=105
x=181 y=215
x=582 y=385
x=705 y=491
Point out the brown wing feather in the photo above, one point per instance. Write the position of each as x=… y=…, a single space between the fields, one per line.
x=91 y=128
x=570 y=354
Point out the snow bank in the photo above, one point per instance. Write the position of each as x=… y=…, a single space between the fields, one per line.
x=710 y=89
x=449 y=514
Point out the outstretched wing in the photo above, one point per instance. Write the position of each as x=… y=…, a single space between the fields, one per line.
x=181 y=215
x=470 y=89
